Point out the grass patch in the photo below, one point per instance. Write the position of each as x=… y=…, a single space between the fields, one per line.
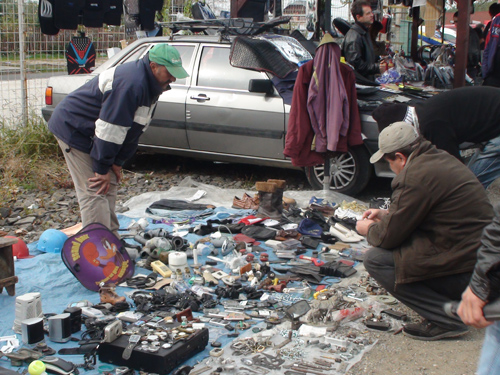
x=30 y=159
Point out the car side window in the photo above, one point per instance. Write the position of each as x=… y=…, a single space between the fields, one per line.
x=134 y=55
x=187 y=53
x=216 y=71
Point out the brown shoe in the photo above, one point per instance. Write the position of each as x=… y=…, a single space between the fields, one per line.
x=280 y=188
x=246 y=202
x=270 y=204
x=108 y=295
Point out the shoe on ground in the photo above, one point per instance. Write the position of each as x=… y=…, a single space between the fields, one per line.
x=428 y=331
x=108 y=295
x=344 y=234
x=246 y=202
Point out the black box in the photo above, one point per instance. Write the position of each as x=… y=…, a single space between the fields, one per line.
x=75 y=317
x=161 y=362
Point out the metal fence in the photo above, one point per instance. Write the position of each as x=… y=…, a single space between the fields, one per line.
x=29 y=58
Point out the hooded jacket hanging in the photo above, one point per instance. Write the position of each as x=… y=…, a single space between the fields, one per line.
x=300 y=134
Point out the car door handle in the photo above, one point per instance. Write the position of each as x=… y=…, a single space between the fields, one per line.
x=202 y=97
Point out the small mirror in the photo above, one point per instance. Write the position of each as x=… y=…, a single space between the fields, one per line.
x=298 y=309
x=261 y=85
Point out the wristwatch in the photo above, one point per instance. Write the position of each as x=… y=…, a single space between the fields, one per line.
x=132 y=342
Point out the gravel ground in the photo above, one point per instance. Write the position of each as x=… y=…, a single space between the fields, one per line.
x=33 y=212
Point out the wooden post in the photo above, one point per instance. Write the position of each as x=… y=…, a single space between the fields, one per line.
x=414 y=34
x=234 y=9
x=328 y=16
x=464 y=9
x=8 y=279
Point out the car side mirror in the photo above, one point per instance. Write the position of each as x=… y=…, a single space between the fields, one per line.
x=261 y=85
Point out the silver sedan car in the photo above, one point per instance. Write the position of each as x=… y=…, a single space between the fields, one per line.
x=226 y=114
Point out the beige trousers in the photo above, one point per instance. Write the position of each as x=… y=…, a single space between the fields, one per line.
x=94 y=208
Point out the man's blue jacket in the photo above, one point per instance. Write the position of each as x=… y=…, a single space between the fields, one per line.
x=106 y=116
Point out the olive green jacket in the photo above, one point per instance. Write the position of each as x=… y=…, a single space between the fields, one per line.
x=437 y=214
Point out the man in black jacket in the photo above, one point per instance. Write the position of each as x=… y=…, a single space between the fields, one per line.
x=484 y=286
x=464 y=115
x=358 y=48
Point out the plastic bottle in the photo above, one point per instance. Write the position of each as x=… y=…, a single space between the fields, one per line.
x=180 y=285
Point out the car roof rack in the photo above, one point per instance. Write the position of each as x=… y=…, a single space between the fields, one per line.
x=226 y=26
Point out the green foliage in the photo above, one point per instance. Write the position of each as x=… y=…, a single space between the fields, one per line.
x=33 y=140
x=483 y=6
x=165 y=12
x=29 y=158
x=479 y=6
x=188 y=9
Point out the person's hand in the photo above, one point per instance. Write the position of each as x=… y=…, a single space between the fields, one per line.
x=101 y=181
x=363 y=225
x=374 y=214
x=117 y=170
x=470 y=310
x=382 y=65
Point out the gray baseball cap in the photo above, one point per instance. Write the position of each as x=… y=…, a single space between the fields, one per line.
x=393 y=138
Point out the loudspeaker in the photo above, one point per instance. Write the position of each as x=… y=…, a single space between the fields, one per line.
x=75 y=316
x=60 y=328
x=32 y=330
x=28 y=306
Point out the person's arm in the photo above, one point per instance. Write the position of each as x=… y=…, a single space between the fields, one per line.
x=470 y=310
x=478 y=293
x=119 y=103
x=353 y=52
x=410 y=204
x=371 y=216
x=488 y=260
x=490 y=48
x=116 y=117
x=375 y=214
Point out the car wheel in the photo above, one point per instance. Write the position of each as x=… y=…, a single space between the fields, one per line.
x=350 y=172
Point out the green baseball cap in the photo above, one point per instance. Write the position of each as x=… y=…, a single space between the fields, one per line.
x=169 y=57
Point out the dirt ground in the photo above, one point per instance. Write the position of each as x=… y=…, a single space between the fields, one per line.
x=398 y=354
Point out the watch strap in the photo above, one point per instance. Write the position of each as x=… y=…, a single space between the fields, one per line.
x=128 y=351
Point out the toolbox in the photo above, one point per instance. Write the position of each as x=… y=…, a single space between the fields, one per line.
x=162 y=361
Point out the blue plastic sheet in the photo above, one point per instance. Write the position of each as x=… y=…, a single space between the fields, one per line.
x=46 y=273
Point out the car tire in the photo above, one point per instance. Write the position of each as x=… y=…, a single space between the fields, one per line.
x=350 y=171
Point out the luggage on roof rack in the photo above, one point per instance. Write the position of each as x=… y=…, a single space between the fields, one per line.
x=230 y=26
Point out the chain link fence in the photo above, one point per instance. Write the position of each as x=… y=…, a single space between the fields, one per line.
x=29 y=58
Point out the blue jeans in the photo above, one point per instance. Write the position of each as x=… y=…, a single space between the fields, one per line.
x=489 y=364
x=485 y=164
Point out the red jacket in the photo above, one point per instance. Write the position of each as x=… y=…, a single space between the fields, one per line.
x=300 y=133
x=327 y=101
